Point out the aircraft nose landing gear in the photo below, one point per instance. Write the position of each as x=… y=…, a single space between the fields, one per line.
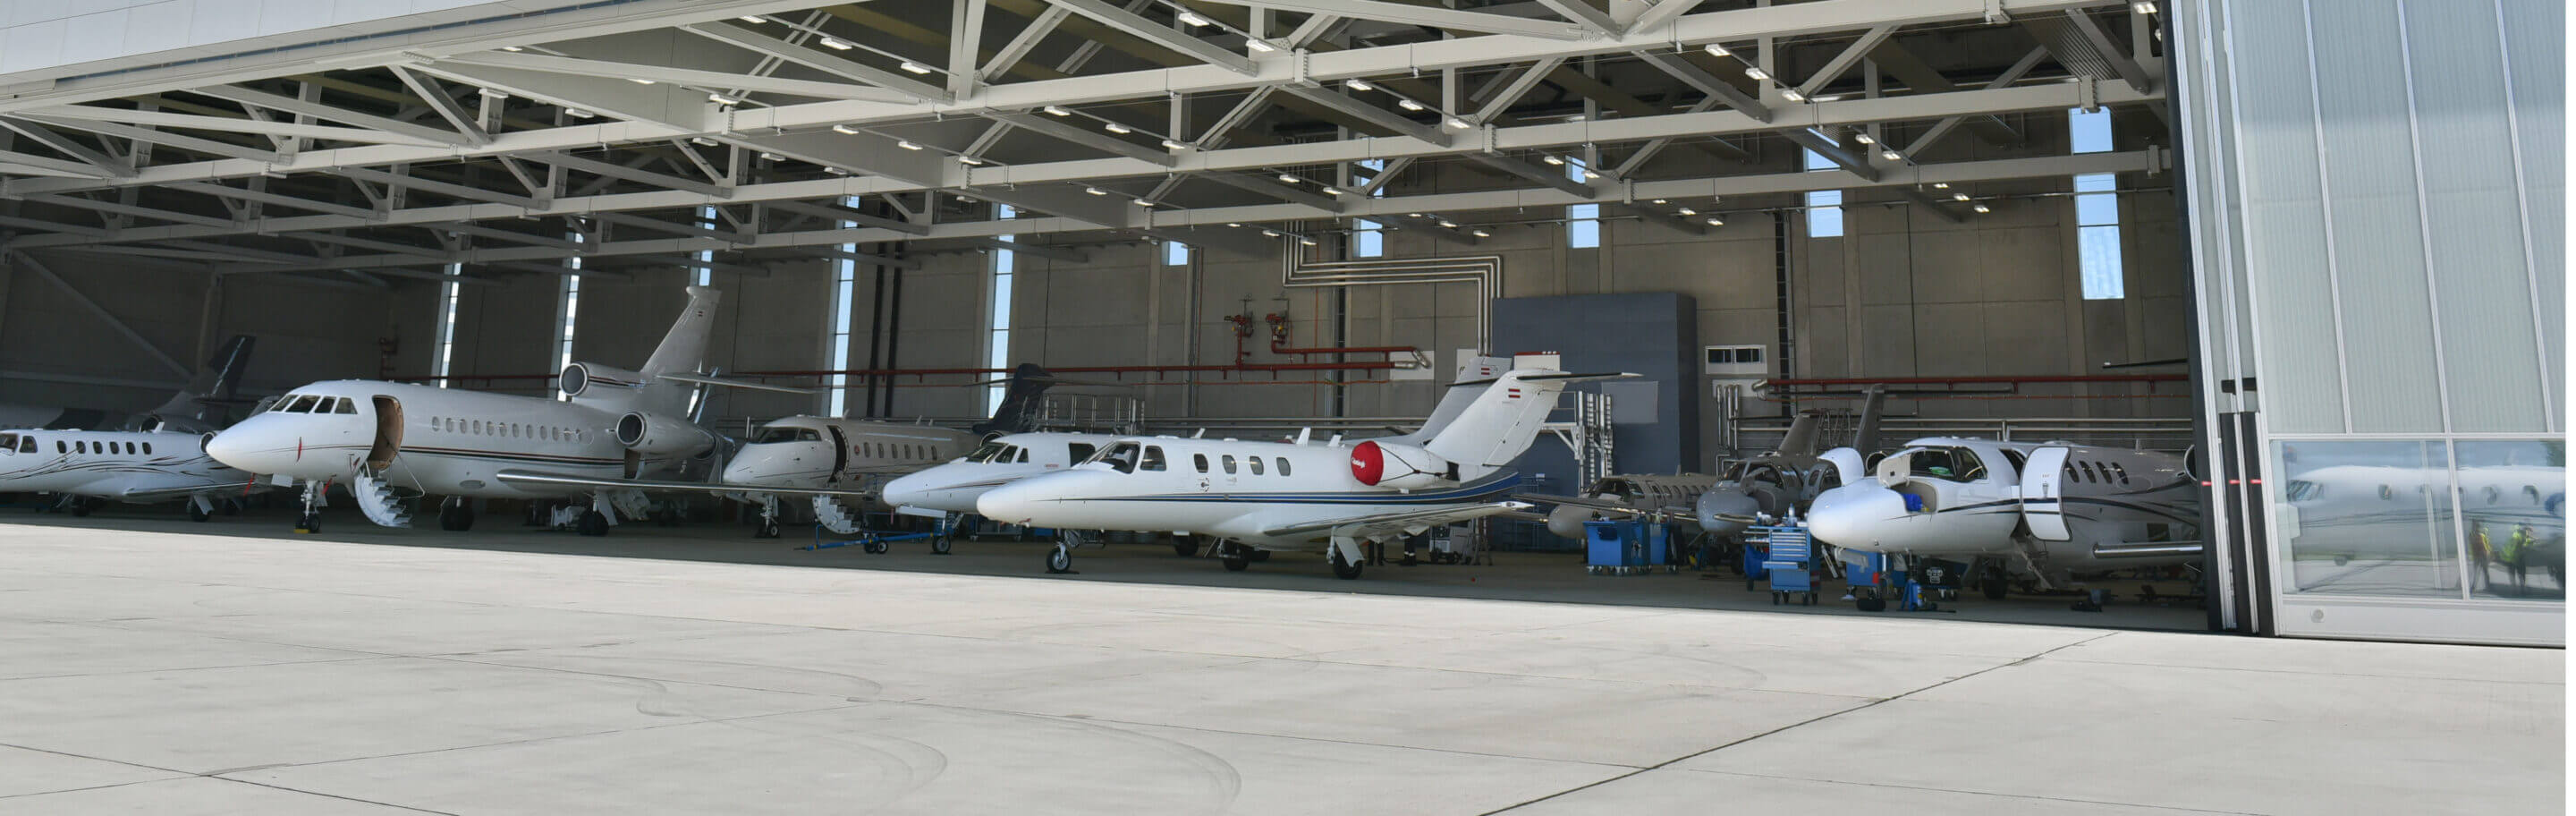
x=311 y=521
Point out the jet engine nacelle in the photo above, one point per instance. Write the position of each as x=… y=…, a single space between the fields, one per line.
x=594 y=379
x=1403 y=467
x=656 y=435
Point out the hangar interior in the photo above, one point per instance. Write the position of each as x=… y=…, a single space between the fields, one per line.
x=1973 y=202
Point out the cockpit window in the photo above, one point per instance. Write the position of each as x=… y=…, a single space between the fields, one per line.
x=301 y=405
x=347 y=406
x=1153 y=458
x=987 y=452
x=1022 y=456
x=1080 y=451
x=1947 y=464
x=8 y=443
x=773 y=435
x=26 y=444
x=1120 y=457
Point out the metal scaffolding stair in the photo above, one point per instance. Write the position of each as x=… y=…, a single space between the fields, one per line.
x=631 y=503
x=377 y=500
x=829 y=513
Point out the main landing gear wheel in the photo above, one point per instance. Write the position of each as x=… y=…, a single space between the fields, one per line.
x=81 y=506
x=768 y=528
x=1342 y=567
x=1185 y=546
x=1234 y=556
x=1994 y=587
x=939 y=544
x=455 y=515
x=593 y=523
x=1059 y=559
x=196 y=513
x=309 y=522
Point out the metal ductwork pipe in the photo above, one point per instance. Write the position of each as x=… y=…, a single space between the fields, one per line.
x=2160 y=550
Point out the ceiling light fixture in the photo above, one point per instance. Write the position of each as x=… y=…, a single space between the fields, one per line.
x=1271 y=233
x=771 y=156
x=1259 y=45
x=1717 y=50
x=906 y=145
x=1984 y=209
x=1053 y=110
x=1891 y=155
x=1144 y=202
x=1717 y=222
x=1863 y=137
x=1358 y=85
x=1408 y=104
x=1116 y=128
x=1659 y=201
x=1456 y=123
x=1689 y=211
x=1481 y=234
x=914 y=67
x=1940 y=185
x=1306 y=241
x=1553 y=159
x=752 y=18
x=1169 y=144
x=1756 y=72
x=702 y=141
x=512 y=48
x=1448 y=224
x=722 y=99
x=836 y=43
x=1959 y=196
x=639 y=80
x=1191 y=19
x=845 y=130
x=1793 y=94
x=2143 y=7
x=970 y=161
x=1288 y=178
x=1234 y=223
x=1095 y=191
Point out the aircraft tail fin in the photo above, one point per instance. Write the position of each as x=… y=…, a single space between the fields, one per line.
x=1801 y=437
x=209 y=396
x=1501 y=423
x=683 y=351
x=1873 y=407
x=1021 y=394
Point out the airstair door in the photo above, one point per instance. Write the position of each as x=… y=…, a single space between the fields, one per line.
x=2042 y=494
x=389 y=433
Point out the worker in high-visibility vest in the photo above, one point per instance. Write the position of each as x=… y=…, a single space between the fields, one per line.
x=2516 y=548
x=2479 y=551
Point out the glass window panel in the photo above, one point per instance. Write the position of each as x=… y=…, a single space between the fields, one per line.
x=1825 y=214
x=2097 y=210
x=2368 y=518
x=2101 y=253
x=2513 y=501
x=1583 y=230
x=1176 y=253
x=1368 y=239
x=2088 y=132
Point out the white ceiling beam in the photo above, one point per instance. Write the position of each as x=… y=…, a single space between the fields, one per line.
x=230 y=125
x=121 y=208
x=439 y=187
x=1183 y=42
x=221 y=191
x=1323 y=204
x=1086 y=137
x=29 y=163
x=1583 y=12
x=685 y=76
x=317 y=110
x=1707 y=83
x=1372 y=115
x=619 y=171
x=1843 y=60
x=1661 y=13
x=445 y=106
x=1432 y=16
x=107 y=165
x=773 y=47
x=178 y=140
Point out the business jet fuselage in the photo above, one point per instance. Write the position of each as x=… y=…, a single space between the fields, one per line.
x=1299 y=495
x=128 y=466
x=953 y=488
x=2045 y=511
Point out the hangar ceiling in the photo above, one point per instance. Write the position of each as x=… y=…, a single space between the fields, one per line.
x=767 y=130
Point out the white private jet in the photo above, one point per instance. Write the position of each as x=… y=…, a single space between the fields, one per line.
x=2043 y=511
x=135 y=467
x=1301 y=495
x=618 y=425
x=164 y=463
x=828 y=459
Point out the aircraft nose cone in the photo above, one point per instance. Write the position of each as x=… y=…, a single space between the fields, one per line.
x=908 y=490
x=1846 y=516
x=1010 y=503
x=245 y=447
x=1726 y=510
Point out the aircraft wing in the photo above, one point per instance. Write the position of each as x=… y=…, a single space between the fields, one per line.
x=154 y=494
x=530 y=477
x=1612 y=506
x=1399 y=521
x=722 y=382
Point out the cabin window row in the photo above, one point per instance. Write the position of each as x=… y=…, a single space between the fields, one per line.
x=28 y=445
x=1227 y=461
x=513 y=430
x=2110 y=472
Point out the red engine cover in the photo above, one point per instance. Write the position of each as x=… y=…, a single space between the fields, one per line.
x=1368 y=464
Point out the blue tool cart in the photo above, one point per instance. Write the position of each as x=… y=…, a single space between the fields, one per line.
x=1789 y=564
x=1625 y=547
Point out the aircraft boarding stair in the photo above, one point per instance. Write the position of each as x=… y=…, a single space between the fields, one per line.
x=377 y=500
x=829 y=513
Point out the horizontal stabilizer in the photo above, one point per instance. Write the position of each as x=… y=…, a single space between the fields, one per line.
x=721 y=382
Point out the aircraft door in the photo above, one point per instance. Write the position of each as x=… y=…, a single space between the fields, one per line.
x=2042 y=494
x=840 y=451
x=389 y=433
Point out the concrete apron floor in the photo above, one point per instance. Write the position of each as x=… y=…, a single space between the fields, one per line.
x=170 y=671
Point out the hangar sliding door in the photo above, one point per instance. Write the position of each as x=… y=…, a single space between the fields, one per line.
x=2374 y=190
